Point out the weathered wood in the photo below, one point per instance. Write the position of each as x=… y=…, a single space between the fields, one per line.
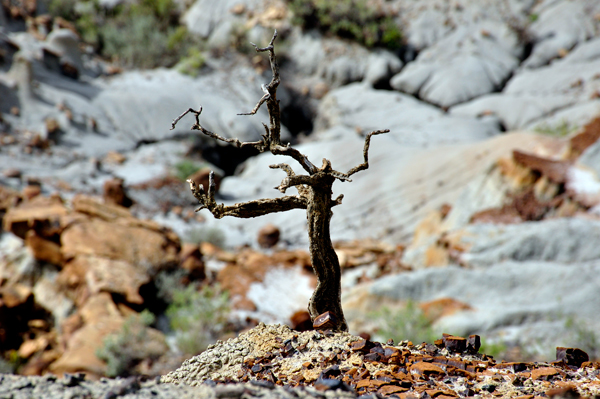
x=314 y=195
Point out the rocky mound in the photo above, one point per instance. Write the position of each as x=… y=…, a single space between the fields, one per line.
x=274 y=355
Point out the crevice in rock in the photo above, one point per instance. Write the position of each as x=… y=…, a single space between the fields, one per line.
x=298 y=116
x=144 y=142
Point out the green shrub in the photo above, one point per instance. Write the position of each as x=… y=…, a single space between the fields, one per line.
x=186 y=168
x=352 y=19
x=582 y=336
x=198 y=317
x=142 y=33
x=408 y=323
x=562 y=129
x=213 y=235
x=495 y=349
x=122 y=351
x=191 y=64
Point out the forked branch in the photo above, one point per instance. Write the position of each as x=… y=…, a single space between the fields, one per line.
x=365 y=164
x=248 y=209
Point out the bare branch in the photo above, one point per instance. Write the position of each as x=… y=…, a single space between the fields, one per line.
x=197 y=113
x=340 y=176
x=285 y=167
x=248 y=209
x=365 y=164
x=297 y=155
x=269 y=47
x=295 y=180
x=262 y=100
x=261 y=145
x=338 y=200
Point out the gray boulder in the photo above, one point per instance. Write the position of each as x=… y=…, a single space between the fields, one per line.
x=206 y=16
x=513 y=302
x=338 y=62
x=564 y=240
x=562 y=93
x=467 y=63
x=412 y=122
x=560 y=26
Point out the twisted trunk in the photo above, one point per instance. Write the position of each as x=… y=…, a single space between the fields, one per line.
x=325 y=263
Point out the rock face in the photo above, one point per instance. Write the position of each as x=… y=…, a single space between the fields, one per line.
x=77 y=255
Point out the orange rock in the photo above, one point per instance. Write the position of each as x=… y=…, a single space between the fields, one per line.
x=191 y=261
x=391 y=389
x=268 y=236
x=442 y=307
x=544 y=373
x=113 y=276
x=363 y=383
x=114 y=193
x=130 y=240
x=43 y=249
x=426 y=369
x=39 y=211
x=14 y=295
x=92 y=207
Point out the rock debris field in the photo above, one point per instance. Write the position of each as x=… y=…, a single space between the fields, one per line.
x=272 y=361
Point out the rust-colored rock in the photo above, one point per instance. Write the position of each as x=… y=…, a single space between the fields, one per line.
x=426 y=369
x=442 y=307
x=325 y=321
x=571 y=356
x=14 y=295
x=580 y=142
x=129 y=240
x=192 y=261
x=112 y=276
x=268 y=236
x=544 y=373
x=555 y=170
x=39 y=212
x=300 y=321
x=474 y=342
x=455 y=344
x=364 y=345
x=91 y=207
x=114 y=193
x=43 y=249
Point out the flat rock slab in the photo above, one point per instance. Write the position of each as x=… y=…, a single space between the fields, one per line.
x=515 y=301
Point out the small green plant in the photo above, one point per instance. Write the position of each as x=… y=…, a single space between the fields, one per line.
x=582 y=336
x=186 y=168
x=496 y=349
x=408 y=323
x=353 y=19
x=122 y=351
x=213 y=235
x=11 y=363
x=563 y=129
x=191 y=65
x=198 y=317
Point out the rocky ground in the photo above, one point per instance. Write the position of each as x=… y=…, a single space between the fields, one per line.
x=481 y=206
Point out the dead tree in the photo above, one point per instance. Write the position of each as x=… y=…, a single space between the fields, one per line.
x=314 y=195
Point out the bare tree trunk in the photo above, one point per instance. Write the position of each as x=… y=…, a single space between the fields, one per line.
x=314 y=195
x=325 y=263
